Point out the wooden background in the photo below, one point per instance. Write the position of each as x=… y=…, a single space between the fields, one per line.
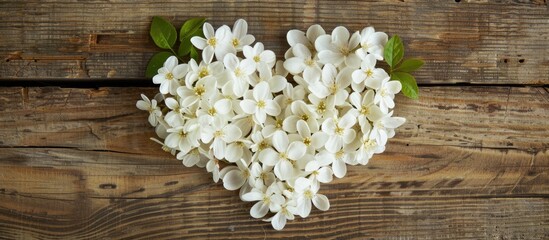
x=472 y=161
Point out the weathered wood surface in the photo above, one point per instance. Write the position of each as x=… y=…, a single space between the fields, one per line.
x=77 y=163
x=471 y=162
x=488 y=42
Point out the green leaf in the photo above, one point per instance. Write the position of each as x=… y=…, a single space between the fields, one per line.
x=163 y=33
x=156 y=62
x=185 y=47
x=195 y=55
x=394 y=51
x=191 y=28
x=409 y=85
x=409 y=65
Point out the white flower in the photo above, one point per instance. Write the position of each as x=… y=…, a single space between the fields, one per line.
x=324 y=107
x=258 y=55
x=183 y=138
x=215 y=106
x=386 y=93
x=367 y=149
x=339 y=48
x=337 y=159
x=239 y=72
x=285 y=155
x=240 y=35
x=194 y=92
x=169 y=75
x=333 y=84
x=236 y=177
x=303 y=62
x=262 y=174
x=261 y=104
x=368 y=75
x=202 y=70
x=320 y=170
x=340 y=131
x=365 y=109
x=222 y=133
x=191 y=158
x=239 y=149
x=284 y=212
x=151 y=107
x=218 y=41
x=313 y=141
x=295 y=37
x=384 y=127
x=175 y=117
x=372 y=42
x=307 y=193
x=276 y=83
x=300 y=111
x=269 y=198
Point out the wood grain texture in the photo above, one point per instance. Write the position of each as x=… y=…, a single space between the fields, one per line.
x=77 y=163
x=488 y=42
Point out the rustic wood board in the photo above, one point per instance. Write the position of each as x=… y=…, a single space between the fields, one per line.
x=471 y=162
x=461 y=167
x=488 y=42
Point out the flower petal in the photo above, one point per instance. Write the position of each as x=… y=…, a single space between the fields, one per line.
x=296 y=150
x=231 y=133
x=248 y=106
x=325 y=175
x=321 y=202
x=280 y=141
x=339 y=167
x=278 y=221
x=269 y=157
x=259 y=210
x=233 y=180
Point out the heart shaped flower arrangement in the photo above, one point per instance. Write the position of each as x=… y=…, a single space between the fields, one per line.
x=277 y=129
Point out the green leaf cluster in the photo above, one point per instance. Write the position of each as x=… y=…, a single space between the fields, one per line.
x=400 y=69
x=165 y=36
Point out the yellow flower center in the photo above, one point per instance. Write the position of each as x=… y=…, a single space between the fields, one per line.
x=212 y=42
x=182 y=134
x=169 y=76
x=218 y=134
x=340 y=154
x=309 y=62
x=365 y=110
x=383 y=92
x=278 y=123
x=308 y=194
x=321 y=107
x=203 y=72
x=238 y=72
x=307 y=141
x=212 y=111
x=282 y=155
x=344 y=50
x=338 y=130
x=263 y=145
x=369 y=73
x=261 y=104
x=333 y=88
x=236 y=42
x=304 y=117
x=199 y=90
x=257 y=58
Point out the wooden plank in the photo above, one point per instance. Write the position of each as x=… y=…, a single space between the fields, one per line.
x=226 y=217
x=57 y=173
x=488 y=42
x=107 y=119
x=471 y=162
